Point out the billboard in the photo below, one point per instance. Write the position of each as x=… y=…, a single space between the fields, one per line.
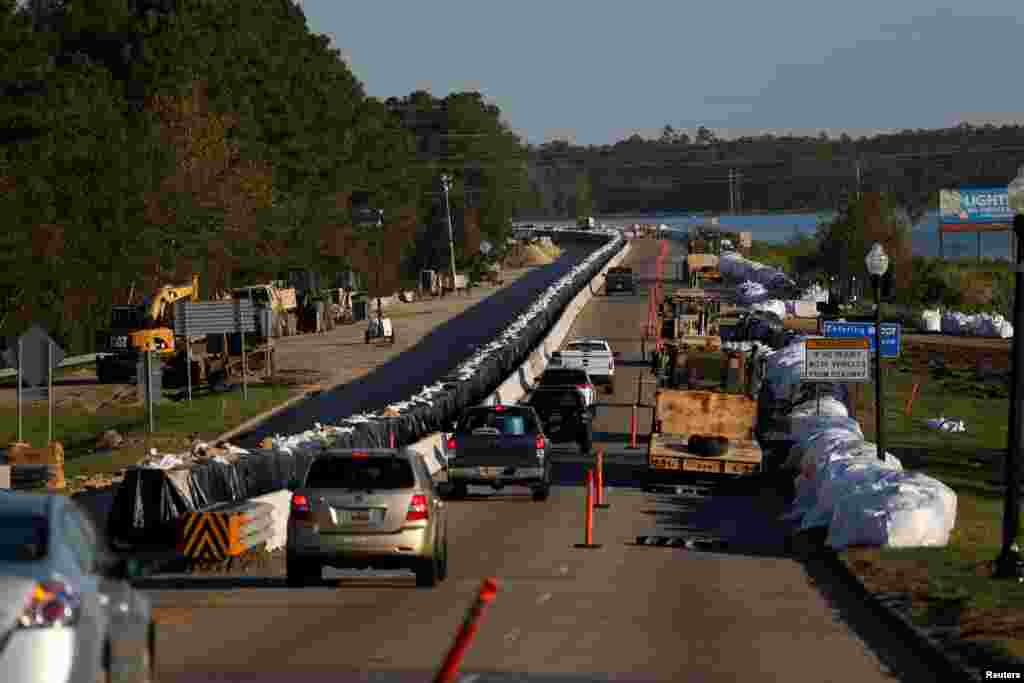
x=975 y=209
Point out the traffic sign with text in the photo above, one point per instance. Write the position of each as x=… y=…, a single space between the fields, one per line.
x=891 y=333
x=837 y=360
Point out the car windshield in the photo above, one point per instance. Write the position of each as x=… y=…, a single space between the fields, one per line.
x=506 y=422
x=360 y=473
x=23 y=538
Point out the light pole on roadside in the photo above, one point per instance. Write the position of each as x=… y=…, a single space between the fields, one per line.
x=1009 y=564
x=877 y=262
x=446 y=186
x=380 y=259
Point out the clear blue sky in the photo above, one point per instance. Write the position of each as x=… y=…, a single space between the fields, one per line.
x=596 y=72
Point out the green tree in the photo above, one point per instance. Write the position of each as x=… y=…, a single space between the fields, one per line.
x=583 y=201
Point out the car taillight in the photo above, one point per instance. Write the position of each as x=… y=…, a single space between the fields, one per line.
x=451 y=443
x=300 y=506
x=52 y=604
x=584 y=386
x=417 y=508
x=540 y=442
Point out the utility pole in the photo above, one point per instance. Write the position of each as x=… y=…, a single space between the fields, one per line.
x=446 y=186
x=732 y=191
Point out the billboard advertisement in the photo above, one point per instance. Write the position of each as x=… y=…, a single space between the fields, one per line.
x=975 y=209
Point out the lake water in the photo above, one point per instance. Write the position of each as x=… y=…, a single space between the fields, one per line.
x=780 y=227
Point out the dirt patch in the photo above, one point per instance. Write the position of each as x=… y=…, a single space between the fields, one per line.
x=525 y=255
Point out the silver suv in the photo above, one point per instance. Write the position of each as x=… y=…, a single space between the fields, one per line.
x=367 y=509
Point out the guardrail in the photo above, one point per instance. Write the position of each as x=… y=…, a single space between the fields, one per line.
x=226 y=530
x=74 y=361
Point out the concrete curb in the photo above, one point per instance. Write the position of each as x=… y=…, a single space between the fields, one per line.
x=810 y=544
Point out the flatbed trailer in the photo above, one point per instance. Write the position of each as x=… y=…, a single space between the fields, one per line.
x=683 y=413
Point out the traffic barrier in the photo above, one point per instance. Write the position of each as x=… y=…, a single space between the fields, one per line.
x=450 y=668
x=600 y=481
x=34 y=468
x=225 y=530
x=588 y=525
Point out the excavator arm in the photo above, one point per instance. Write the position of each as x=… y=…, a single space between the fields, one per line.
x=168 y=294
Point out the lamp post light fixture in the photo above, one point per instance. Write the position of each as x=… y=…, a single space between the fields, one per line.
x=877 y=262
x=1010 y=564
x=446 y=186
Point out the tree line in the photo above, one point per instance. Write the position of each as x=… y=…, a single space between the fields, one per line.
x=142 y=141
x=777 y=173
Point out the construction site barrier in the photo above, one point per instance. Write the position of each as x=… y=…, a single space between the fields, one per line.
x=225 y=530
x=450 y=668
x=588 y=517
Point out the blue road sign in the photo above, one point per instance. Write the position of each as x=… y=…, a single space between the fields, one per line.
x=890 y=335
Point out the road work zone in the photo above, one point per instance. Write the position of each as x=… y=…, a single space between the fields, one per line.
x=725 y=603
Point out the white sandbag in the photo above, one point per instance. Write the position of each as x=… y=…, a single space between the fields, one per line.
x=991 y=325
x=931 y=320
x=784 y=369
x=955 y=323
x=773 y=306
x=905 y=510
x=749 y=292
x=814 y=294
x=820 y=454
x=841 y=478
x=820 y=435
x=828 y=406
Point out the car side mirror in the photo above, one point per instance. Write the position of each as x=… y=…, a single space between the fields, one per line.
x=444 y=488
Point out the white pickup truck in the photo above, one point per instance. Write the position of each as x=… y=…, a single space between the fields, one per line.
x=595 y=356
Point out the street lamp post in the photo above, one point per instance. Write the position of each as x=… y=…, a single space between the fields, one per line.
x=878 y=262
x=1009 y=563
x=380 y=259
x=446 y=186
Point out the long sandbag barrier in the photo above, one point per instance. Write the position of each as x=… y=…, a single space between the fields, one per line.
x=151 y=500
x=841 y=482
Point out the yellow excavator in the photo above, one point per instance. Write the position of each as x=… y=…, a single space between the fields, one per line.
x=135 y=329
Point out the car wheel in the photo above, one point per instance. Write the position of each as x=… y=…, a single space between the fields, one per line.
x=585 y=445
x=460 y=491
x=302 y=572
x=428 y=572
x=610 y=387
x=541 y=493
x=366 y=335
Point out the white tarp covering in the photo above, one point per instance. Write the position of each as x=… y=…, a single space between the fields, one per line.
x=903 y=510
x=784 y=369
x=776 y=306
x=843 y=477
x=931 y=321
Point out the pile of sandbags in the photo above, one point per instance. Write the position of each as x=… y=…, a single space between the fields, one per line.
x=841 y=483
x=978 y=325
x=736 y=267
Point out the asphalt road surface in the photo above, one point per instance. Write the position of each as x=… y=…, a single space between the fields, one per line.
x=624 y=612
x=435 y=355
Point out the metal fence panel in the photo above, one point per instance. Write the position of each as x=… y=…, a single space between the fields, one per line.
x=214 y=317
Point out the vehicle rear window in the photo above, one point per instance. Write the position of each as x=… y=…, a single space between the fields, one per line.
x=556 y=399
x=360 y=473
x=23 y=538
x=587 y=347
x=509 y=422
x=563 y=377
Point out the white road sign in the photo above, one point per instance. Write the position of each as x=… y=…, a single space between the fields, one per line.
x=837 y=360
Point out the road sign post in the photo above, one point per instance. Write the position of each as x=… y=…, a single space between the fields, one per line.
x=35 y=356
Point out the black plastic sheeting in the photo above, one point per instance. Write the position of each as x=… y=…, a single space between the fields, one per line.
x=150 y=500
